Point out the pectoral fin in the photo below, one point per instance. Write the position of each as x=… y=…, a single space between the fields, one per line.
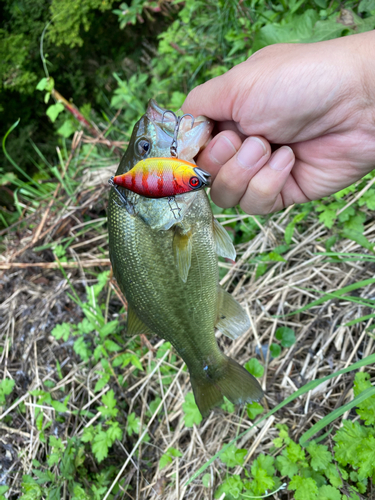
x=182 y=248
x=135 y=326
x=232 y=319
x=224 y=245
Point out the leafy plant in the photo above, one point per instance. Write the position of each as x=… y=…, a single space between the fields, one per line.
x=316 y=472
x=6 y=388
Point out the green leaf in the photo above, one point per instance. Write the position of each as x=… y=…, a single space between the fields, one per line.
x=192 y=414
x=112 y=346
x=6 y=387
x=327 y=492
x=81 y=348
x=275 y=350
x=167 y=457
x=366 y=409
x=348 y=438
x=42 y=84
x=366 y=458
x=59 y=407
x=286 y=336
x=133 y=424
x=286 y=467
x=233 y=456
x=66 y=129
x=100 y=446
x=232 y=487
x=54 y=110
x=320 y=456
x=109 y=402
x=102 y=382
x=254 y=367
x=114 y=432
x=206 y=480
x=253 y=409
x=305 y=488
x=108 y=328
x=227 y=406
x=61 y=331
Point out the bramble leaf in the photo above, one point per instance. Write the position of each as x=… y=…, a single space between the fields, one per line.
x=100 y=446
x=366 y=409
x=233 y=456
x=133 y=425
x=327 y=492
x=232 y=487
x=61 y=331
x=305 y=488
x=320 y=456
x=109 y=402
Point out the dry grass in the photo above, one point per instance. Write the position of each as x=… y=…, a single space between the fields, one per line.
x=33 y=296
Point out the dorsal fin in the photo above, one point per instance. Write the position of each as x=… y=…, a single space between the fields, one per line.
x=232 y=319
x=224 y=245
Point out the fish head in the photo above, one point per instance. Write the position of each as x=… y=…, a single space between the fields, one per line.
x=152 y=137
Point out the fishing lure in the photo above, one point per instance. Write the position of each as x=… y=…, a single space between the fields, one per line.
x=163 y=178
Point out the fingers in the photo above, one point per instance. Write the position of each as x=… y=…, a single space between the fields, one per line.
x=218 y=151
x=233 y=178
x=264 y=193
x=248 y=174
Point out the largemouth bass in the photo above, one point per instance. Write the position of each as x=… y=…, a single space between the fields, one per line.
x=164 y=255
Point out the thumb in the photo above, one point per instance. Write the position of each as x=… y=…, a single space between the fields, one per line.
x=213 y=99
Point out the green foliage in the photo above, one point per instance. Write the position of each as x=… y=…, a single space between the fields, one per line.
x=168 y=456
x=314 y=473
x=6 y=387
x=254 y=367
x=286 y=336
x=192 y=414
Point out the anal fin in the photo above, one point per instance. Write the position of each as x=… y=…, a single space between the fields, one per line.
x=182 y=248
x=224 y=245
x=135 y=326
x=232 y=319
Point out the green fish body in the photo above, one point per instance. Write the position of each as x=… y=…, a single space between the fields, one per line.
x=164 y=257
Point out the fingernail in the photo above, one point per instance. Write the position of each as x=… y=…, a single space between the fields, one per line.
x=222 y=150
x=252 y=150
x=281 y=158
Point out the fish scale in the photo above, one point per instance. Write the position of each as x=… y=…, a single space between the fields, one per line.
x=168 y=270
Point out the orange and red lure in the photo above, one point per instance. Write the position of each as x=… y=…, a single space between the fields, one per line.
x=163 y=177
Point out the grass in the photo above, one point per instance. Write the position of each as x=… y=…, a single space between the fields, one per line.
x=53 y=257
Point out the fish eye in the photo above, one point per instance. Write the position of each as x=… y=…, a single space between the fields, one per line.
x=195 y=182
x=144 y=147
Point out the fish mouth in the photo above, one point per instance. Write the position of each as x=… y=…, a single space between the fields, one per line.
x=204 y=176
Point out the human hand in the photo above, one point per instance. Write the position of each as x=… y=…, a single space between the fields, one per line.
x=316 y=100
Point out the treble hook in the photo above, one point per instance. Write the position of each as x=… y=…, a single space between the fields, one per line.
x=178 y=119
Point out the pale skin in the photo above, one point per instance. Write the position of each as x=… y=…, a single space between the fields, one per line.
x=315 y=102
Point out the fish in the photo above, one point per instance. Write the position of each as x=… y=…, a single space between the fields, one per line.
x=164 y=256
x=163 y=177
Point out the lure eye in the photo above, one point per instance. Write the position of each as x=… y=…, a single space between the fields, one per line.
x=195 y=182
x=143 y=147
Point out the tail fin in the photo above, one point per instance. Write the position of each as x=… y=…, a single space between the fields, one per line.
x=234 y=382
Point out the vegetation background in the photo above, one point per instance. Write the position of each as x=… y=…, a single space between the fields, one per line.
x=86 y=413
